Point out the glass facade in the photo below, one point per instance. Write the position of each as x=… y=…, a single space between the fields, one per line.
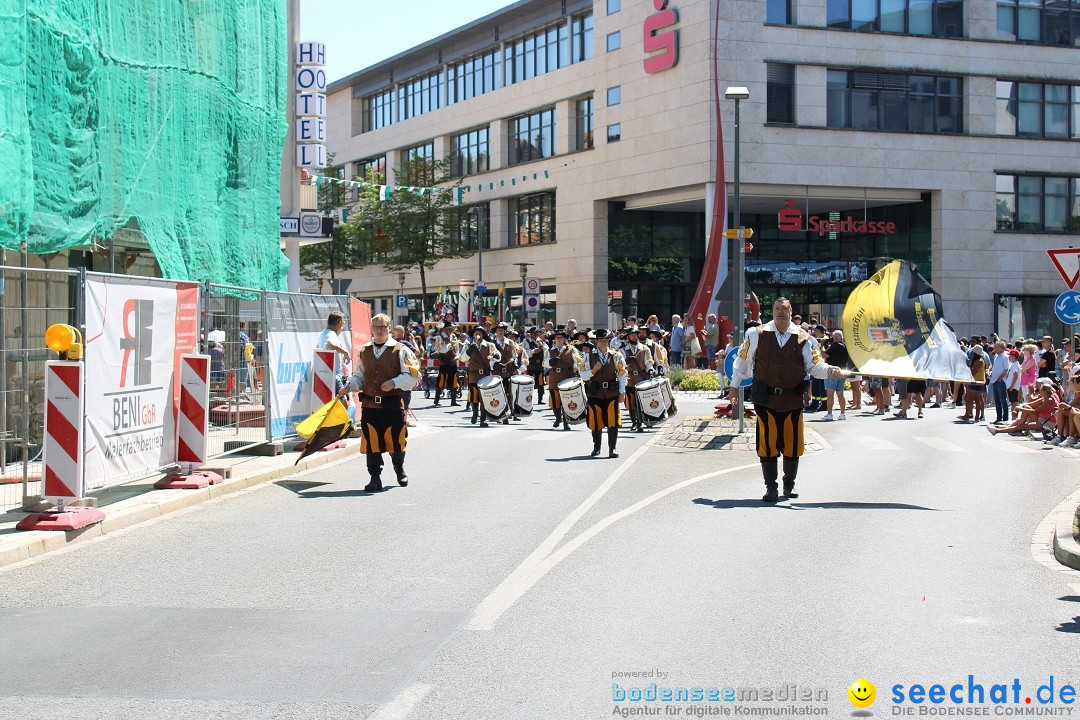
x=420 y=95
x=581 y=38
x=1038 y=203
x=1047 y=110
x=475 y=76
x=893 y=101
x=470 y=227
x=1047 y=22
x=532 y=219
x=378 y=110
x=537 y=53
x=418 y=168
x=471 y=153
x=780 y=94
x=583 y=124
x=940 y=18
x=372 y=169
x=778 y=12
x=532 y=137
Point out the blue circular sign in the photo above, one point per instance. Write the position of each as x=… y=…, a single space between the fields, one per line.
x=1067 y=307
x=729 y=367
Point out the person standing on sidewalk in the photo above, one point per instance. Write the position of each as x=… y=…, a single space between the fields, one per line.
x=778 y=356
x=999 y=368
x=385 y=369
x=836 y=354
x=329 y=339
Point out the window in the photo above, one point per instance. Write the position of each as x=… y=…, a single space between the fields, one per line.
x=1048 y=22
x=470 y=227
x=1038 y=110
x=471 y=154
x=614 y=95
x=778 y=12
x=472 y=77
x=581 y=38
x=1038 y=203
x=378 y=110
x=614 y=41
x=532 y=137
x=893 y=102
x=420 y=95
x=583 y=124
x=536 y=54
x=780 y=94
x=373 y=169
x=534 y=219
x=940 y=18
x=613 y=6
x=418 y=164
x=614 y=132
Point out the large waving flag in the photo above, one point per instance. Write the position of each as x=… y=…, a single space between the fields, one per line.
x=326 y=425
x=893 y=327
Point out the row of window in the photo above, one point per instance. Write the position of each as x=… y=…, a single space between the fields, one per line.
x=1030 y=109
x=1047 y=22
x=532 y=222
x=1038 y=203
x=526 y=57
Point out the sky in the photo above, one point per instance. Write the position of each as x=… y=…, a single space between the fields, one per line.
x=360 y=33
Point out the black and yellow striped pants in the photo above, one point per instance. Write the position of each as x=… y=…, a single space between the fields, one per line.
x=383 y=430
x=779 y=432
x=604 y=413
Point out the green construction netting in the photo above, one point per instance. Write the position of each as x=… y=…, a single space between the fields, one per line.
x=168 y=113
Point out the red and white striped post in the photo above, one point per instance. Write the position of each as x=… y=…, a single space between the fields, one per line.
x=63 y=451
x=323 y=387
x=192 y=427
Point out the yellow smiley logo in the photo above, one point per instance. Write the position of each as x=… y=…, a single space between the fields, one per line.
x=862 y=693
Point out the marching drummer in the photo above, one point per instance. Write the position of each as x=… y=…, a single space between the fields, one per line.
x=562 y=365
x=385 y=369
x=507 y=366
x=533 y=355
x=604 y=373
x=639 y=367
x=656 y=344
x=481 y=356
x=446 y=349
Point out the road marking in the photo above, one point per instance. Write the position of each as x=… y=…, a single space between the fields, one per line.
x=939 y=444
x=542 y=560
x=400 y=707
x=875 y=443
x=1009 y=447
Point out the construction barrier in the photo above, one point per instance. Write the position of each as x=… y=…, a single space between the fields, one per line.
x=323 y=378
x=192 y=427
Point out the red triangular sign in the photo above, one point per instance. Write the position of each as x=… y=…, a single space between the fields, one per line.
x=1067 y=262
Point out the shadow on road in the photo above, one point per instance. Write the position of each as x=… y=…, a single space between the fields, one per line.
x=1070 y=627
x=602 y=456
x=755 y=503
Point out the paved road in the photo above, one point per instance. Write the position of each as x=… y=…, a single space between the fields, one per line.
x=517 y=578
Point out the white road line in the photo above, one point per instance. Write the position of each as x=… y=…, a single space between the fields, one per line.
x=400 y=707
x=875 y=443
x=939 y=444
x=1010 y=446
x=543 y=560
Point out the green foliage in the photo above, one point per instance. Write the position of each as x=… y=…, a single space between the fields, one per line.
x=699 y=380
x=675 y=376
x=638 y=253
x=339 y=253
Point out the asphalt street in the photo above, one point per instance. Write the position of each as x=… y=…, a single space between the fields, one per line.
x=516 y=577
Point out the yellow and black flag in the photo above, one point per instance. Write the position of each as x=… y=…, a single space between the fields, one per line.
x=893 y=327
x=326 y=425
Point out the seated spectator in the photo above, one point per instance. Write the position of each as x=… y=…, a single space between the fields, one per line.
x=1034 y=413
x=1065 y=417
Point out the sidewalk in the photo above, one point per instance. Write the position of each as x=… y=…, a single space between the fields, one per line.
x=137 y=502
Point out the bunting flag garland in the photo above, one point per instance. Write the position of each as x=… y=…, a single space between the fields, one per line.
x=385 y=191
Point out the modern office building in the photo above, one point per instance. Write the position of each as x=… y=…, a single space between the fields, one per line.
x=938 y=131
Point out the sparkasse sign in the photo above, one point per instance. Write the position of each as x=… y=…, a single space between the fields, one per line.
x=791 y=220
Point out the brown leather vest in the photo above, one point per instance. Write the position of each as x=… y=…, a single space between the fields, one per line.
x=780 y=367
x=564 y=368
x=507 y=364
x=636 y=371
x=479 y=363
x=594 y=388
x=378 y=370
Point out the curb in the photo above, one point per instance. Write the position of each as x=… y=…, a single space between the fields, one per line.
x=1066 y=548
x=158 y=503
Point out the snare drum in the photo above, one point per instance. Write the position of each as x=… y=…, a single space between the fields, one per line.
x=521 y=388
x=572 y=392
x=669 y=399
x=651 y=401
x=493 y=396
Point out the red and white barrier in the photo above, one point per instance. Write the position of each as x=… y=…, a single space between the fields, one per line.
x=322 y=379
x=192 y=427
x=63 y=451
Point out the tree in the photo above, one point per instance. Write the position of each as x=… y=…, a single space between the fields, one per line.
x=414 y=228
x=338 y=253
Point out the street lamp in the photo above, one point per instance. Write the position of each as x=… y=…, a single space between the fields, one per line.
x=478 y=211
x=739 y=249
x=524 y=268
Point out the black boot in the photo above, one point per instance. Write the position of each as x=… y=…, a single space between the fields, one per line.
x=374 y=467
x=399 y=468
x=558 y=416
x=453 y=397
x=438 y=396
x=770 y=471
x=374 y=485
x=483 y=416
x=612 y=438
x=791 y=469
x=596 y=443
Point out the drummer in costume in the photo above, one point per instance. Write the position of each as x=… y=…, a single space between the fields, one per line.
x=533 y=351
x=656 y=344
x=639 y=367
x=385 y=369
x=562 y=365
x=507 y=366
x=604 y=373
x=446 y=350
x=779 y=356
x=481 y=356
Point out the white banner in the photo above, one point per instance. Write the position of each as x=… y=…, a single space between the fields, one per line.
x=135 y=334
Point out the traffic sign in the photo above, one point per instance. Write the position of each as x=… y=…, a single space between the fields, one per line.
x=532 y=304
x=481 y=289
x=401 y=301
x=1067 y=262
x=749 y=247
x=1067 y=307
x=733 y=233
x=729 y=368
x=532 y=286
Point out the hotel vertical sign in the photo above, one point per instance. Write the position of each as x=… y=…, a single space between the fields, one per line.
x=310 y=105
x=661 y=36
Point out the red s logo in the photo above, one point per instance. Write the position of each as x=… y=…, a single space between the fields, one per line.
x=791 y=217
x=668 y=41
